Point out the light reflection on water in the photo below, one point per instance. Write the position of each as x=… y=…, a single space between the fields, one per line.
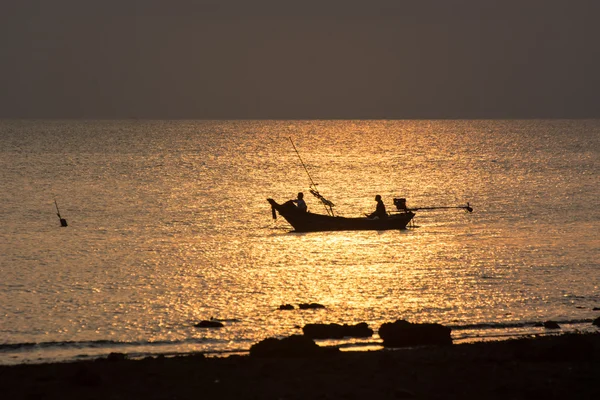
x=168 y=225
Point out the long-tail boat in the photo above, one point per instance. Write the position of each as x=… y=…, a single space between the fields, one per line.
x=305 y=221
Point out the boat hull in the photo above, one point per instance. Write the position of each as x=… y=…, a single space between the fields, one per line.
x=309 y=222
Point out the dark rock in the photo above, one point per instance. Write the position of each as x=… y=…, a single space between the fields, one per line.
x=403 y=333
x=336 y=331
x=309 y=306
x=596 y=309
x=551 y=325
x=596 y=322
x=209 y=324
x=538 y=325
x=289 y=347
x=286 y=307
x=116 y=357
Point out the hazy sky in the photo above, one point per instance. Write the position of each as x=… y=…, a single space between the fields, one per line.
x=299 y=59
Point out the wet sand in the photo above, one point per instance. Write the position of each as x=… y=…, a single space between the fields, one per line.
x=557 y=367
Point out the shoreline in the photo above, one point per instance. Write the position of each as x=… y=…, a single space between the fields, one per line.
x=26 y=353
x=38 y=353
x=553 y=366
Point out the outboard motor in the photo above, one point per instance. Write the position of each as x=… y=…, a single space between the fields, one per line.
x=400 y=204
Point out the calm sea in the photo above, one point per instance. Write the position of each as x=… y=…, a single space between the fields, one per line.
x=169 y=225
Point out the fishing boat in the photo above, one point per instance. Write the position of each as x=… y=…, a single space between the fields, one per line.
x=305 y=221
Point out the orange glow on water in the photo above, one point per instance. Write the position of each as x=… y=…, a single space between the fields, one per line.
x=169 y=225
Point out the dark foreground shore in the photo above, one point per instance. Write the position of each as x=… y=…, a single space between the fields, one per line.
x=558 y=367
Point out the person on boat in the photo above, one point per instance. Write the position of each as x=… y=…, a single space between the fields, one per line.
x=300 y=203
x=380 y=210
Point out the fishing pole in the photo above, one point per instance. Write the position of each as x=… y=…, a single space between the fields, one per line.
x=312 y=183
x=63 y=222
x=313 y=186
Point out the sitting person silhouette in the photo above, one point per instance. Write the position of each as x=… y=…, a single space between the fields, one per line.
x=380 y=210
x=300 y=203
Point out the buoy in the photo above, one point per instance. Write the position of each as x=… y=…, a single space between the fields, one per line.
x=63 y=222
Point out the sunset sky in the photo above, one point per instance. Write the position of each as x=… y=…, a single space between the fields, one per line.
x=222 y=59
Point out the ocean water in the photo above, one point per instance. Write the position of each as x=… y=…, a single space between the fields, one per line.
x=169 y=225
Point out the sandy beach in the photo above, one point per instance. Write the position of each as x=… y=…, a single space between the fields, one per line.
x=551 y=367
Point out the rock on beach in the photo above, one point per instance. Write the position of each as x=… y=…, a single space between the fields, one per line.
x=293 y=346
x=209 y=324
x=310 y=306
x=403 y=333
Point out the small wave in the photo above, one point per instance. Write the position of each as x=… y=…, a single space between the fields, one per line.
x=521 y=324
x=228 y=319
x=9 y=347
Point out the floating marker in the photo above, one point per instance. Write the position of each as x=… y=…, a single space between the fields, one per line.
x=63 y=222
